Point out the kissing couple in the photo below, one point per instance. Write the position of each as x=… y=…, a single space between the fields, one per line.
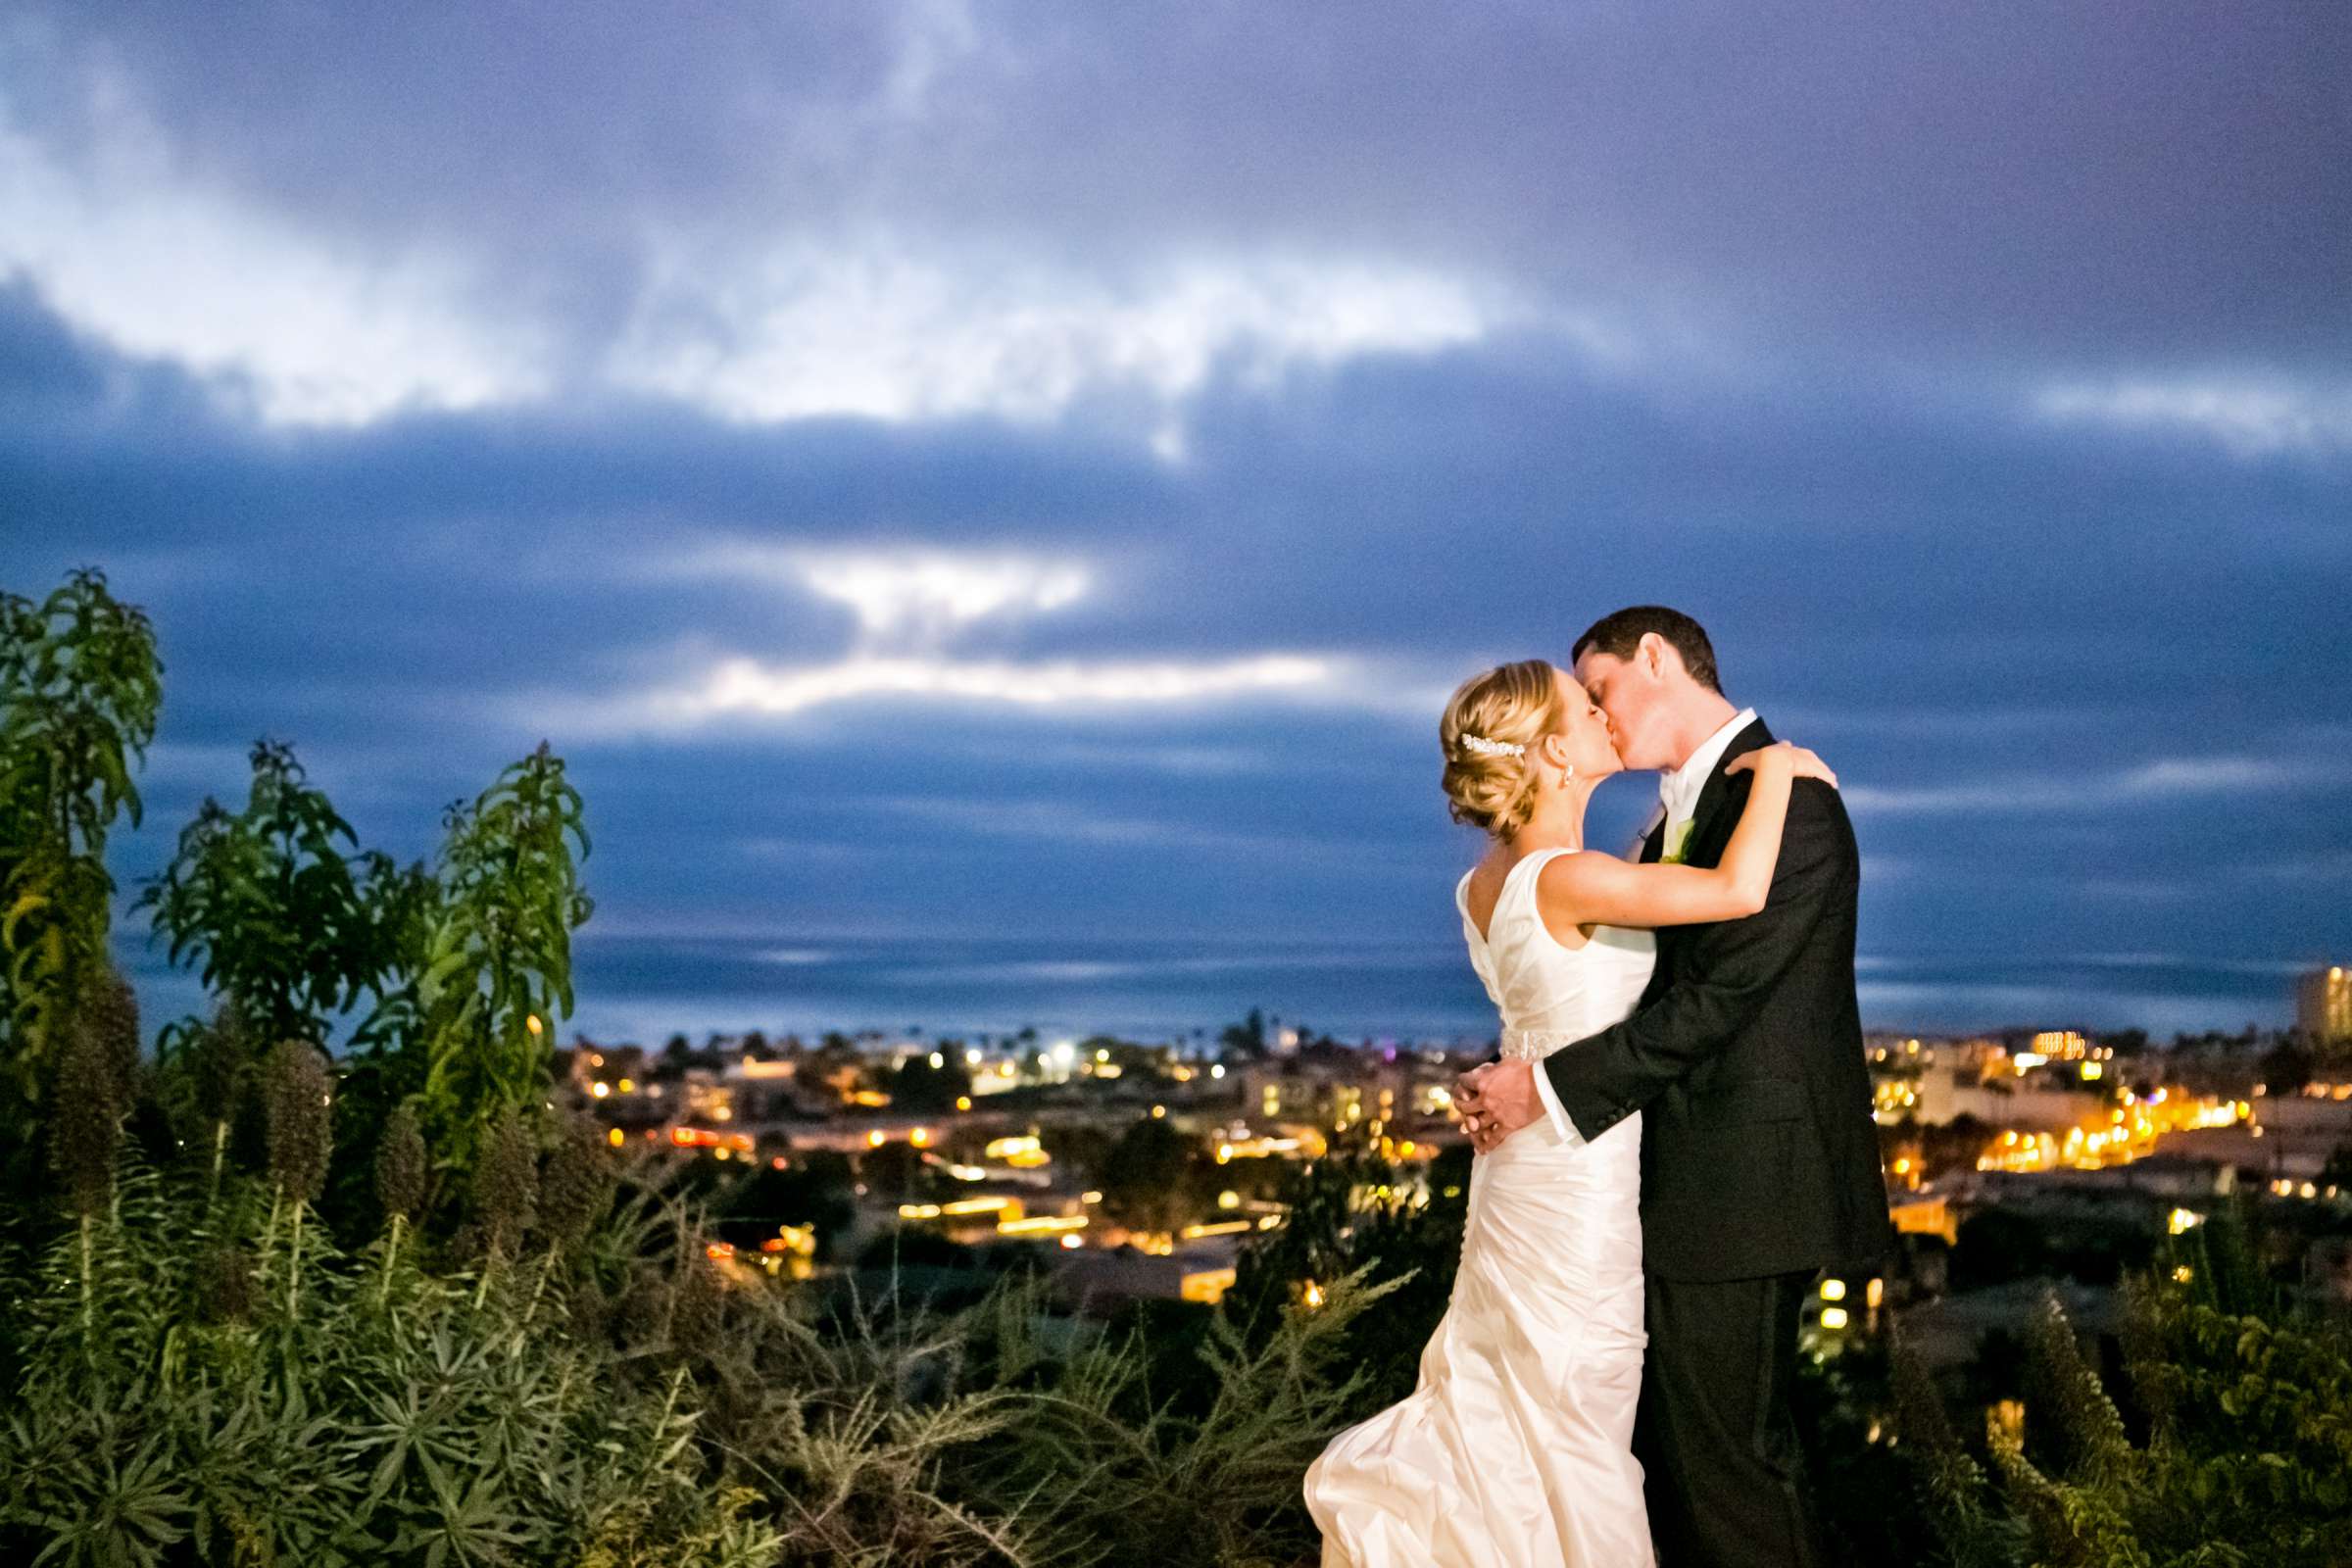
x=1673 y=1144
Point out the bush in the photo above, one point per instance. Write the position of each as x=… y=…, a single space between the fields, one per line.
x=206 y=1375
x=200 y=1383
x=1356 y=1210
x=2246 y=1404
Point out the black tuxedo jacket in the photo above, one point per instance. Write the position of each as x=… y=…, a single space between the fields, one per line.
x=1745 y=1058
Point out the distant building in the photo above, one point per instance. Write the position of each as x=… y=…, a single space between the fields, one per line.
x=2060 y=1045
x=1929 y=1215
x=1350 y=1086
x=1100 y=1281
x=2324 y=1004
x=2207 y=1173
x=2038 y=1101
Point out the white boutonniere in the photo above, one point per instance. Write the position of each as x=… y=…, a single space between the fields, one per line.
x=1677 y=842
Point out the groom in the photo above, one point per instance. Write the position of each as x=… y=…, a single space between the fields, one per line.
x=1759 y=1158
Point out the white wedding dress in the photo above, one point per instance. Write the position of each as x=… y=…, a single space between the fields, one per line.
x=1514 y=1451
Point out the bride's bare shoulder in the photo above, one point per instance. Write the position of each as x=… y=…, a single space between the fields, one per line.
x=1574 y=868
x=1562 y=884
x=1568 y=880
x=1482 y=885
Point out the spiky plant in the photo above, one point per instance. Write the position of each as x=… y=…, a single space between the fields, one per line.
x=86 y=1113
x=401 y=1173
x=215 y=1060
x=195 y=1417
x=575 y=1185
x=400 y=1168
x=301 y=1095
x=111 y=1015
x=224 y=1286
x=1958 y=1493
x=86 y=1126
x=2078 y=1516
x=506 y=1184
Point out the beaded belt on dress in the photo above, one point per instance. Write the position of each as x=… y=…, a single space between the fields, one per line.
x=1536 y=1044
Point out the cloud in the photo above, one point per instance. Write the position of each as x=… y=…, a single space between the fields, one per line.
x=133 y=251
x=911 y=595
x=2214 y=776
x=922 y=212
x=910 y=604
x=746 y=687
x=2166 y=778
x=131 y=239
x=2329 y=868
x=2249 y=418
x=878 y=329
x=1956 y=193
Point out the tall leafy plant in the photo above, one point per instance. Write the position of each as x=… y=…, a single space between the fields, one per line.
x=273 y=910
x=80 y=688
x=470 y=1032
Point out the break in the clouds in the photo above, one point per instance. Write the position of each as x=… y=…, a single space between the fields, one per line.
x=2249 y=418
x=913 y=606
x=989 y=498
x=910 y=595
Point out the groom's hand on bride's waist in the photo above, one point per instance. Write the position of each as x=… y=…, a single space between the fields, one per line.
x=1496 y=1100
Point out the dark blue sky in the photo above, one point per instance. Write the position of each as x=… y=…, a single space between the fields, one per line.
x=989 y=500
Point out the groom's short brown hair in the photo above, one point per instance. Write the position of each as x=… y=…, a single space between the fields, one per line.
x=1619 y=634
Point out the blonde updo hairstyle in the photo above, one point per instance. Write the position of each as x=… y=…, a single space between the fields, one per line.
x=1516 y=704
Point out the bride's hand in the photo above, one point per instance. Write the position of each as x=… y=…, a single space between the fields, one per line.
x=1800 y=763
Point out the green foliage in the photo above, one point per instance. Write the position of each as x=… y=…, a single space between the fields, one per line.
x=1126 y=1472
x=1353 y=1210
x=2247 y=1456
x=273 y=911
x=488 y=959
x=80 y=686
x=1865 y=1489
x=468 y=963
x=202 y=1379
x=199 y=1385
x=203 y=1375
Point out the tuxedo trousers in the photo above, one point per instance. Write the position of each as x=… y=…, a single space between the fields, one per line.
x=1722 y=1467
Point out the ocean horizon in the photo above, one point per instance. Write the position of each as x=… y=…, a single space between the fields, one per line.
x=646 y=987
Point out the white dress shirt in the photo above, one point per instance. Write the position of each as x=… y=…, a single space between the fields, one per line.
x=1680 y=790
x=1678 y=800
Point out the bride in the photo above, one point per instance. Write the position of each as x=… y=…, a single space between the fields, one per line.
x=1515 y=1449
